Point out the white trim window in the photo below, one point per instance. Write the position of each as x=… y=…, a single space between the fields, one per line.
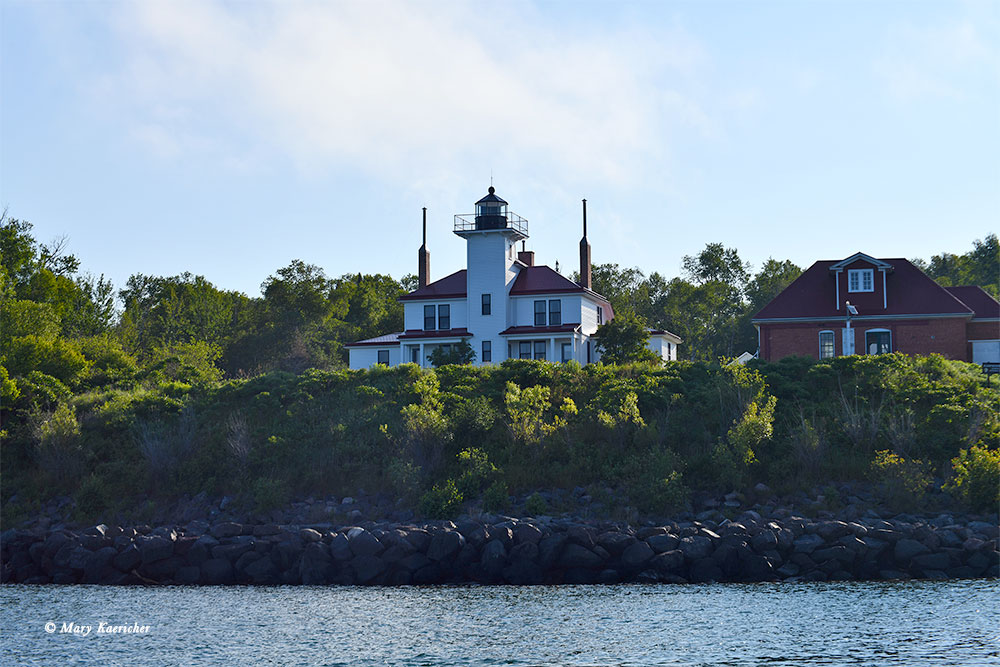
x=861 y=280
x=878 y=341
x=827 y=345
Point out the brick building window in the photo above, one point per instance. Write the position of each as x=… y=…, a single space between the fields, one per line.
x=826 y=345
x=878 y=341
x=860 y=280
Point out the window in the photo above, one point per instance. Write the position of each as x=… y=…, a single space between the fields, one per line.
x=524 y=350
x=860 y=280
x=415 y=354
x=540 y=350
x=826 y=345
x=539 y=313
x=444 y=316
x=567 y=351
x=487 y=351
x=878 y=341
x=600 y=315
x=430 y=319
x=555 y=313
x=487 y=305
x=383 y=357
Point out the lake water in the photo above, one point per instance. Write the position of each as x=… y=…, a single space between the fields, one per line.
x=915 y=623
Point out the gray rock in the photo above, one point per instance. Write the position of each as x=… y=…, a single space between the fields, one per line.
x=637 y=555
x=763 y=541
x=615 y=542
x=226 y=529
x=493 y=558
x=668 y=561
x=906 y=549
x=931 y=561
x=128 y=559
x=576 y=556
x=832 y=530
x=367 y=569
x=308 y=535
x=215 y=571
x=808 y=543
x=316 y=565
x=445 y=545
x=155 y=548
x=696 y=547
x=188 y=574
x=363 y=543
x=663 y=543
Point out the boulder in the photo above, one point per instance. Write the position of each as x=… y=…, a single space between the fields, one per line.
x=637 y=555
x=808 y=543
x=226 y=529
x=668 y=562
x=445 y=545
x=308 y=535
x=906 y=549
x=155 y=548
x=576 y=556
x=696 y=547
x=127 y=559
x=215 y=571
x=363 y=543
x=615 y=542
x=663 y=542
x=493 y=558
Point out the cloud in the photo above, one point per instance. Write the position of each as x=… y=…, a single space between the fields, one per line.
x=934 y=61
x=393 y=87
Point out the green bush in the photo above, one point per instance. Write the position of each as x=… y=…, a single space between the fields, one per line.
x=269 y=494
x=443 y=501
x=662 y=495
x=476 y=471
x=536 y=505
x=976 y=478
x=904 y=482
x=496 y=498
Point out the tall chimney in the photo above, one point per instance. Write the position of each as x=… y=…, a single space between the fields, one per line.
x=585 y=253
x=423 y=259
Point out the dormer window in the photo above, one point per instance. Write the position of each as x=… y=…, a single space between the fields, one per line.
x=860 y=280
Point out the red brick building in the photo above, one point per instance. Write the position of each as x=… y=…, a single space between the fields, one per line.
x=863 y=305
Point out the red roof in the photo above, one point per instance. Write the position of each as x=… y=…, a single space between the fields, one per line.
x=542 y=280
x=982 y=304
x=910 y=292
x=562 y=328
x=410 y=334
x=449 y=287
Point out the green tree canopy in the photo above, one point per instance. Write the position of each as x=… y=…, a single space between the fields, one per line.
x=623 y=339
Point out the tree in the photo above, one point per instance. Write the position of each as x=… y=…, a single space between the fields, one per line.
x=980 y=266
x=771 y=280
x=623 y=339
x=459 y=353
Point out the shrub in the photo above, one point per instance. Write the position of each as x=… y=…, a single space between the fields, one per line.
x=904 y=482
x=663 y=494
x=92 y=498
x=461 y=354
x=58 y=451
x=536 y=505
x=443 y=501
x=404 y=477
x=496 y=498
x=476 y=471
x=269 y=494
x=976 y=477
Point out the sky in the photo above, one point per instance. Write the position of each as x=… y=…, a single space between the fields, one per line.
x=229 y=138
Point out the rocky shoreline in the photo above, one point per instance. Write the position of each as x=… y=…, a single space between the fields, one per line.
x=492 y=550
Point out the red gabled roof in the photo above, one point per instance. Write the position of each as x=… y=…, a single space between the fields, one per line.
x=542 y=280
x=979 y=300
x=449 y=287
x=910 y=292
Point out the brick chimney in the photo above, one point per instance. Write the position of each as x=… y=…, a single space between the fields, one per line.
x=423 y=259
x=585 y=277
x=526 y=257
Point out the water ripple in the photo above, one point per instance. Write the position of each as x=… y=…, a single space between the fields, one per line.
x=926 y=623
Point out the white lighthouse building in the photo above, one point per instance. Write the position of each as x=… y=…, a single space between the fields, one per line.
x=502 y=305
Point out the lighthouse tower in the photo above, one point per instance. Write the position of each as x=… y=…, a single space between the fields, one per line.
x=491 y=237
